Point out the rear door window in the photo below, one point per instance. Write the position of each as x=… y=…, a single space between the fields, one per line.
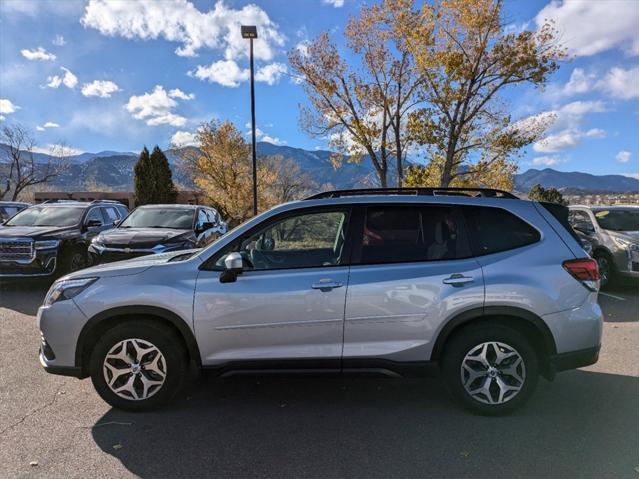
x=494 y=229
x=111 y=214
x=409 y=233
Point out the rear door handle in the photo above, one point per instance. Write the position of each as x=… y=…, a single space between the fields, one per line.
x=326 y=285
x=458 y=280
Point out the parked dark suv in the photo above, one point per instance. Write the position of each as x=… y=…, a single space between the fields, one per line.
x=153 y=229
x=53 y=237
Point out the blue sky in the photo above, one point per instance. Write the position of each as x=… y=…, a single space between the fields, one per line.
x=115 y=75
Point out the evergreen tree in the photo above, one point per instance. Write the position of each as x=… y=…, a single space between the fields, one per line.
x=165 y=191
x=143 y=181
x=551 y=195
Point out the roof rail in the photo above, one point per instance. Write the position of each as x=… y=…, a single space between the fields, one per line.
x=58 y=200
x=417 y=191
x=114 y=202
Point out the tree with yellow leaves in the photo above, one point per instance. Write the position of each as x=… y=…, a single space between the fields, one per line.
x=222 y=168
x=361 y=108
x=467 y=59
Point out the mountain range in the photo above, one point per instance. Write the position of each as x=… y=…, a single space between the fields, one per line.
x=114 y=170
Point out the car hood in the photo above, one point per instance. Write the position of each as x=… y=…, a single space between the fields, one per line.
x=627 y=235
x=128 y=267
x=34 y=231
x=139 y=237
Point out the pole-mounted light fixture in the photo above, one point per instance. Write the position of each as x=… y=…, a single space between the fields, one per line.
x=250 y=32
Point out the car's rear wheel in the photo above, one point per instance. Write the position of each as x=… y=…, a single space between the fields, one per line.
x=606 y=269
x=138 y=365
x=491 y=369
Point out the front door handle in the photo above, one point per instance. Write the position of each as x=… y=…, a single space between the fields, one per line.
x=326 y=285
x=458 y=280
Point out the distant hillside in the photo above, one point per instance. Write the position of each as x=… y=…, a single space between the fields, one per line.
x=576 y=181
x=115 y=170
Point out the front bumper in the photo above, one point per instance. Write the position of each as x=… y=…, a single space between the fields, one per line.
x=60 y=326
x=43 y=263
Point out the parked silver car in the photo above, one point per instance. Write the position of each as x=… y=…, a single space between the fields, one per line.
x=613 y=232
x=490 y=290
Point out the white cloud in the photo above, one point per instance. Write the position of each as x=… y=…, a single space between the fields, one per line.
x=228 y=73
x=595 y=133
x=7 y=107
x=59 y=41
x=40 y=128
x=335 y=3
x=616 y=82
x=155 y=107
x=184 y=138
x=50 y=124
x=68 y=79
x=271 y=73
x=623 y=156
x=100 y=88
x=588 y=27
x=38 y=54
x=620 y=83
x=566 y=132
x=177 y=93
x=580 y=82
x=559 y=142
x=225 y=72
x=180 y=21
x=547 y=161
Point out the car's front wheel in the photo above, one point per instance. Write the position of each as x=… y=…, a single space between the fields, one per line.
x=138 y=365
x=491 y=369
x=606 y=269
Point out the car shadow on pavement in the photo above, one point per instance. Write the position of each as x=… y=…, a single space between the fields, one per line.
x=582 y=425
x=23 y=296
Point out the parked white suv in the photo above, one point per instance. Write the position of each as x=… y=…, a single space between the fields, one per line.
x=491 y=290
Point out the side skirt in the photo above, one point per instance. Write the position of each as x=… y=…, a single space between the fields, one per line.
x=330 y=367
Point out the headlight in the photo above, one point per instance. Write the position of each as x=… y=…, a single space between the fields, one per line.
x=67 y=289
x=629 y=245
x=46 y=244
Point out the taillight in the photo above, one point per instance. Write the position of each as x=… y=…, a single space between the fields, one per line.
x=584 y=270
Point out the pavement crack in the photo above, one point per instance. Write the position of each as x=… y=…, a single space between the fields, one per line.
x=35 y=411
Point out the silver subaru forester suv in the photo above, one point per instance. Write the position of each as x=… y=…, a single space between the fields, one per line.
x=487 y=289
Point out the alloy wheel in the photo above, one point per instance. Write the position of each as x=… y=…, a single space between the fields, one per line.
x=604 y=269
x=134 y=369
x=493 y=372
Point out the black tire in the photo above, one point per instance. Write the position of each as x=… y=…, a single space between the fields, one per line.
x=472 y=337
x=149 y=332
x=606 y=268
x=75 y=260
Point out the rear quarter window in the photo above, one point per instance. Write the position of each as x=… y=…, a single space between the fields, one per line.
x=494 y=229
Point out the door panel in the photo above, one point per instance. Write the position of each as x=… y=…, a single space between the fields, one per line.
x=267 y=315
x=394 y=311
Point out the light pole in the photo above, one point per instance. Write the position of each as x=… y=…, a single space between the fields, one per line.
x=250 y=32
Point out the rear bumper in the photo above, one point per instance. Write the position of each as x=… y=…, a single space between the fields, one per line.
x=574 y=359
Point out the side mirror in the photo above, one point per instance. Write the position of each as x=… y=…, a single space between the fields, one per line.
x=93 y=223
x=233 y=264
x=117 y=222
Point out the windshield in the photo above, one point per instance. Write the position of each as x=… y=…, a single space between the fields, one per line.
x=618 y=220
x=173 y=218
x=47 y=216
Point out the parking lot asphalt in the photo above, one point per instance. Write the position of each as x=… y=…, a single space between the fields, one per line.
x=584 y=424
